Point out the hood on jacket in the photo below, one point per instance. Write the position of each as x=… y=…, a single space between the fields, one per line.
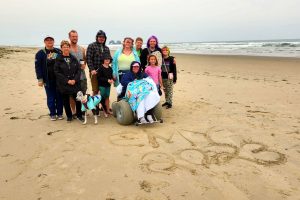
x=134 y=62
x=101 y=33
x=138 y=75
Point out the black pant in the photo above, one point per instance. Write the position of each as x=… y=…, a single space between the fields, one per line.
x=66 y=102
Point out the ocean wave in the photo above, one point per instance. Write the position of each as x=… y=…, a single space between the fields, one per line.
x=282 y=44
x=261 y=48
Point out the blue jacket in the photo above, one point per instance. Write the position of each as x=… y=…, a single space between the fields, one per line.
x=115 y=64
x=41 y=69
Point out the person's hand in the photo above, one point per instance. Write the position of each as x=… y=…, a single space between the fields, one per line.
x=73 y=82
x=41 y=83
x=82 y=66
x=70 y=82
x=110 y=81
x=93 y=72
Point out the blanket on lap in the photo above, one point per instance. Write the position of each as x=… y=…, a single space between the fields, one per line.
x=142 y=90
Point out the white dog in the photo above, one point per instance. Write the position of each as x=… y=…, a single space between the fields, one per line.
x=89 y=102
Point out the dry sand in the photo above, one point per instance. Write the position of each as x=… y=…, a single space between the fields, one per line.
x=233 y=133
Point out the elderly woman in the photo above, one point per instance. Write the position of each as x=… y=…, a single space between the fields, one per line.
x=141 y=92
x=67 y=72
x=122 y=59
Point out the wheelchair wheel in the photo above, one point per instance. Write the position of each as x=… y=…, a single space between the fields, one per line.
x=157 y=111
x=124 y=113
x=114 y=108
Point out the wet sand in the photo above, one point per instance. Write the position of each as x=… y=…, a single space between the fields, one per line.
x=233 y=133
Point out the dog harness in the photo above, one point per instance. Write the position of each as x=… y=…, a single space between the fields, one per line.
x=91 y=103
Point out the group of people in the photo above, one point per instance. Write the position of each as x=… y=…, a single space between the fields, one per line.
x=62 y=71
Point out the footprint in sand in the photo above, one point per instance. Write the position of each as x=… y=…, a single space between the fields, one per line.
x=148 y=186
x=8 y=113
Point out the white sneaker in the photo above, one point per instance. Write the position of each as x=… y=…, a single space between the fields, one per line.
x=143 y=120
x=150 y=118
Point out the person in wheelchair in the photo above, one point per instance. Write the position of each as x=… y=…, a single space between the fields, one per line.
x=141 y=93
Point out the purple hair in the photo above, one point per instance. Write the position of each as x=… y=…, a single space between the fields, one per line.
x=155 y=38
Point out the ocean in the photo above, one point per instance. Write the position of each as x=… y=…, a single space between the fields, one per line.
x=272 y=48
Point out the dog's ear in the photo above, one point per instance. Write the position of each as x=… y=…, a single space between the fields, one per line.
x=79 y=96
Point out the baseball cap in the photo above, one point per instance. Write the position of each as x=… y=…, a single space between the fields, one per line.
x=48 y=37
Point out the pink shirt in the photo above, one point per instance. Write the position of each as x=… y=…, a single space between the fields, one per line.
x=154 y=73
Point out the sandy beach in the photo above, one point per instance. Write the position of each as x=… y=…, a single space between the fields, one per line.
x=233 y=133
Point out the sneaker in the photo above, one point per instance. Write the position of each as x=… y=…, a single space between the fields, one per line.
x=53 y=118
x=142 y=120
x=169 y=106
x=80 y=119
x=165 y=104
x=74 y=116
x=60 y=117
x=69 y=119
x=150 y=118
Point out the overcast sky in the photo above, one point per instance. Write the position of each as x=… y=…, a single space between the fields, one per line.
x=26 y=22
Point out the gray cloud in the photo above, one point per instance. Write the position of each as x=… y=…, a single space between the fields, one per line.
x=26 y=22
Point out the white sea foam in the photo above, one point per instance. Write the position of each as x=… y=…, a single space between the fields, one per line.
x=282 y=48
x=276 y=48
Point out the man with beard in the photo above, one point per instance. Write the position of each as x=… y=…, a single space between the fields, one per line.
x=79 y=53
x=94 y=58
x=95 y=54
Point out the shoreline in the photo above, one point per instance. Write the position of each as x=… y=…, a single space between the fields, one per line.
x=263 y=57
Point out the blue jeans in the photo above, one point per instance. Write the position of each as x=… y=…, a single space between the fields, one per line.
x=54 y=99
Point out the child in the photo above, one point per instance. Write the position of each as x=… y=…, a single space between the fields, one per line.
x=169 y=75
x=105 y=79
x=154 y=71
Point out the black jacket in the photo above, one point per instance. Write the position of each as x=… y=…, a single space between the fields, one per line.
x=65 y=72
x=103 y=74
x=171 y=69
